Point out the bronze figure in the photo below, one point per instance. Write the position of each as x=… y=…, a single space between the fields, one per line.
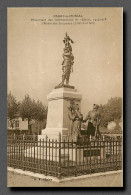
x=67 y=64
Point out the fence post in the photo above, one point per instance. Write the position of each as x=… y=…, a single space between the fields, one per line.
x=34 y=155
x=90 y=154
x=104 y=148
x=68 y=156
x=110 y=150
x=46 y=157
x=43 y=155
x=113 y=149
x=14 y=162
x=23 y=153
x=52 y=149
x=100 y=152
x=116 y=153
x=76 y=159
x=121 y=152
x=39 y=156
x=49 y=166
x=59 y=166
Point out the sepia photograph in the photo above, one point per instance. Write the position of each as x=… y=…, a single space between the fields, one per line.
x=65 y=97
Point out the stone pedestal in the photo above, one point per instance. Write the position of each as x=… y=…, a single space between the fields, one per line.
x=57 y=118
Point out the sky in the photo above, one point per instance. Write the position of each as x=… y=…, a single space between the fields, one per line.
x=35 y=53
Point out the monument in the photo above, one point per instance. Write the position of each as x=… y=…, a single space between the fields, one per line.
x=64 y=118
x=60 y=98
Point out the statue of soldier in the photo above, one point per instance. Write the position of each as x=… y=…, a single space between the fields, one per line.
x=94 y=119
x=67 y=64
x=76 y=119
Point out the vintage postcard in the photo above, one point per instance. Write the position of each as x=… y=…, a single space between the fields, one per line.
x=65 y=97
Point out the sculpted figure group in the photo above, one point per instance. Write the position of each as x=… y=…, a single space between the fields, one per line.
x=76 y=120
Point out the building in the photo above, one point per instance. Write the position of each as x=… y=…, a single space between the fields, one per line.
x=17 y=125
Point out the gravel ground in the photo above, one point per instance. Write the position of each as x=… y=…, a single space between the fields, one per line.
x=17 y=180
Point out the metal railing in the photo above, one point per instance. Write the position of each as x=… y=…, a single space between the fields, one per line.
x=64 y=158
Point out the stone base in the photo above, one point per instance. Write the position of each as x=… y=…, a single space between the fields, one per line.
x=53 y=134
x=82 y=155
x=58 y=108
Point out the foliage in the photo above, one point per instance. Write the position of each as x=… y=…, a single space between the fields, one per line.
x=28 y=108
x=32 y=110
x=12 y=106
x=111 y=111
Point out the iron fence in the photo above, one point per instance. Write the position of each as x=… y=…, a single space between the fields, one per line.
x=64 y=158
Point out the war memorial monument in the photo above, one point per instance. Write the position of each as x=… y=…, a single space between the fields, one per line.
x=71 y=146
x=61 y=101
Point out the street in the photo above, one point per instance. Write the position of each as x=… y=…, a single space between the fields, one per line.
x=17 y=180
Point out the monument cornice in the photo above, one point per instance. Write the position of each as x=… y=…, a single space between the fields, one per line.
x=64 y=93
x=65 y=98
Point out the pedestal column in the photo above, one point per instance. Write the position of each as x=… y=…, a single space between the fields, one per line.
x=57 y=117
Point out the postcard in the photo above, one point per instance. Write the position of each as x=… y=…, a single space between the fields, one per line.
x=65 y=97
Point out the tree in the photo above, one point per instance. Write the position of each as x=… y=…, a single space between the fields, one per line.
x=41 y=111
x=111 y=111
x=26 y=108
x=32 y=110
x=12 y=106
